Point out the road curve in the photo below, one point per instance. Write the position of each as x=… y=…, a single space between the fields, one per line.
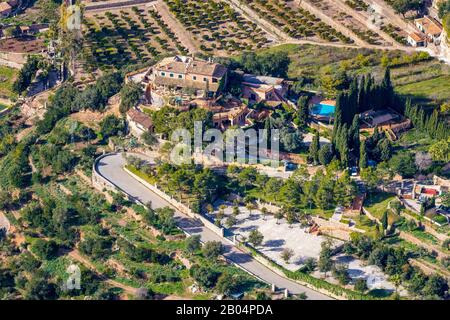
x=111 y=168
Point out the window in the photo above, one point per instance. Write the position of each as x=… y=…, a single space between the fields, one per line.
x=171 y=75
x=214 y=80
x=204 y=79
x=180 y=76
x=163 y=74
x=194 y=77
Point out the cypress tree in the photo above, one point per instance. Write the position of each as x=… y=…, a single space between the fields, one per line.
x=387 y=88
x=384 y=220
x=363 y=155
x=303 y=111
x=314 y=148
x=354 y=133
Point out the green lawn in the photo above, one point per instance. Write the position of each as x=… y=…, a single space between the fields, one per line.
x=7 y=78
x=377 y=204
x=435 y=89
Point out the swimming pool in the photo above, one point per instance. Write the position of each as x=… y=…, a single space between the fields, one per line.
x=324 y=110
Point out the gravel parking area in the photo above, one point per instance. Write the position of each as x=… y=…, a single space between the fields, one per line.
x=278 y=235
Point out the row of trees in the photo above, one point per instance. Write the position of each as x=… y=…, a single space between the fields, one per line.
x=363 y=94
x=324 y=190
x=428 y=123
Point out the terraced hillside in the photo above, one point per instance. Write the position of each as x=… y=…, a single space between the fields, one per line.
x=128 y=36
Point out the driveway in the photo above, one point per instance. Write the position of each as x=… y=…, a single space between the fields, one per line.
x=111 y=168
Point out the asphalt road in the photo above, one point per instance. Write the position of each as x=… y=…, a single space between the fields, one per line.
x=111 y=168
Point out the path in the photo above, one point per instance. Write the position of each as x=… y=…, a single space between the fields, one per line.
x=111 y=168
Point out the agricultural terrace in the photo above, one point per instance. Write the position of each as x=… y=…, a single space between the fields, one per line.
x=295 y=21
x=7 y=78
x=128 y=36
x=219 y=28
x=336 y=12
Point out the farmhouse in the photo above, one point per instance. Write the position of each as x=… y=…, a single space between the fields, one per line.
x=430 y=27
x=139 y=122
x=5 y=9
x=417 y=39
x=269 y=90
x=190 y=75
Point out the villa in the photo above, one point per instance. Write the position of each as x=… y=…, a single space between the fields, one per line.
x=181 y=73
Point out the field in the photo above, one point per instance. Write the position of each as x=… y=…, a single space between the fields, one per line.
x=218 y=28
x=437 y=89
x=30 y=45
x=296 y=22
x=344 y=18
x=7 y=77
x=128 y=36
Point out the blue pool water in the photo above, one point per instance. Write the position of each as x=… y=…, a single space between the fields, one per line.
x=324 y=110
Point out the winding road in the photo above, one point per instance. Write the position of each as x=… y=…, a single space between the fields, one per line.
x=111 y=166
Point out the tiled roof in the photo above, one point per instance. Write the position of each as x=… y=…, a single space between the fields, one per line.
x=140 y=118
x=417 y=37
x=186 y=65
x=430 y=25
x=4 y=6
